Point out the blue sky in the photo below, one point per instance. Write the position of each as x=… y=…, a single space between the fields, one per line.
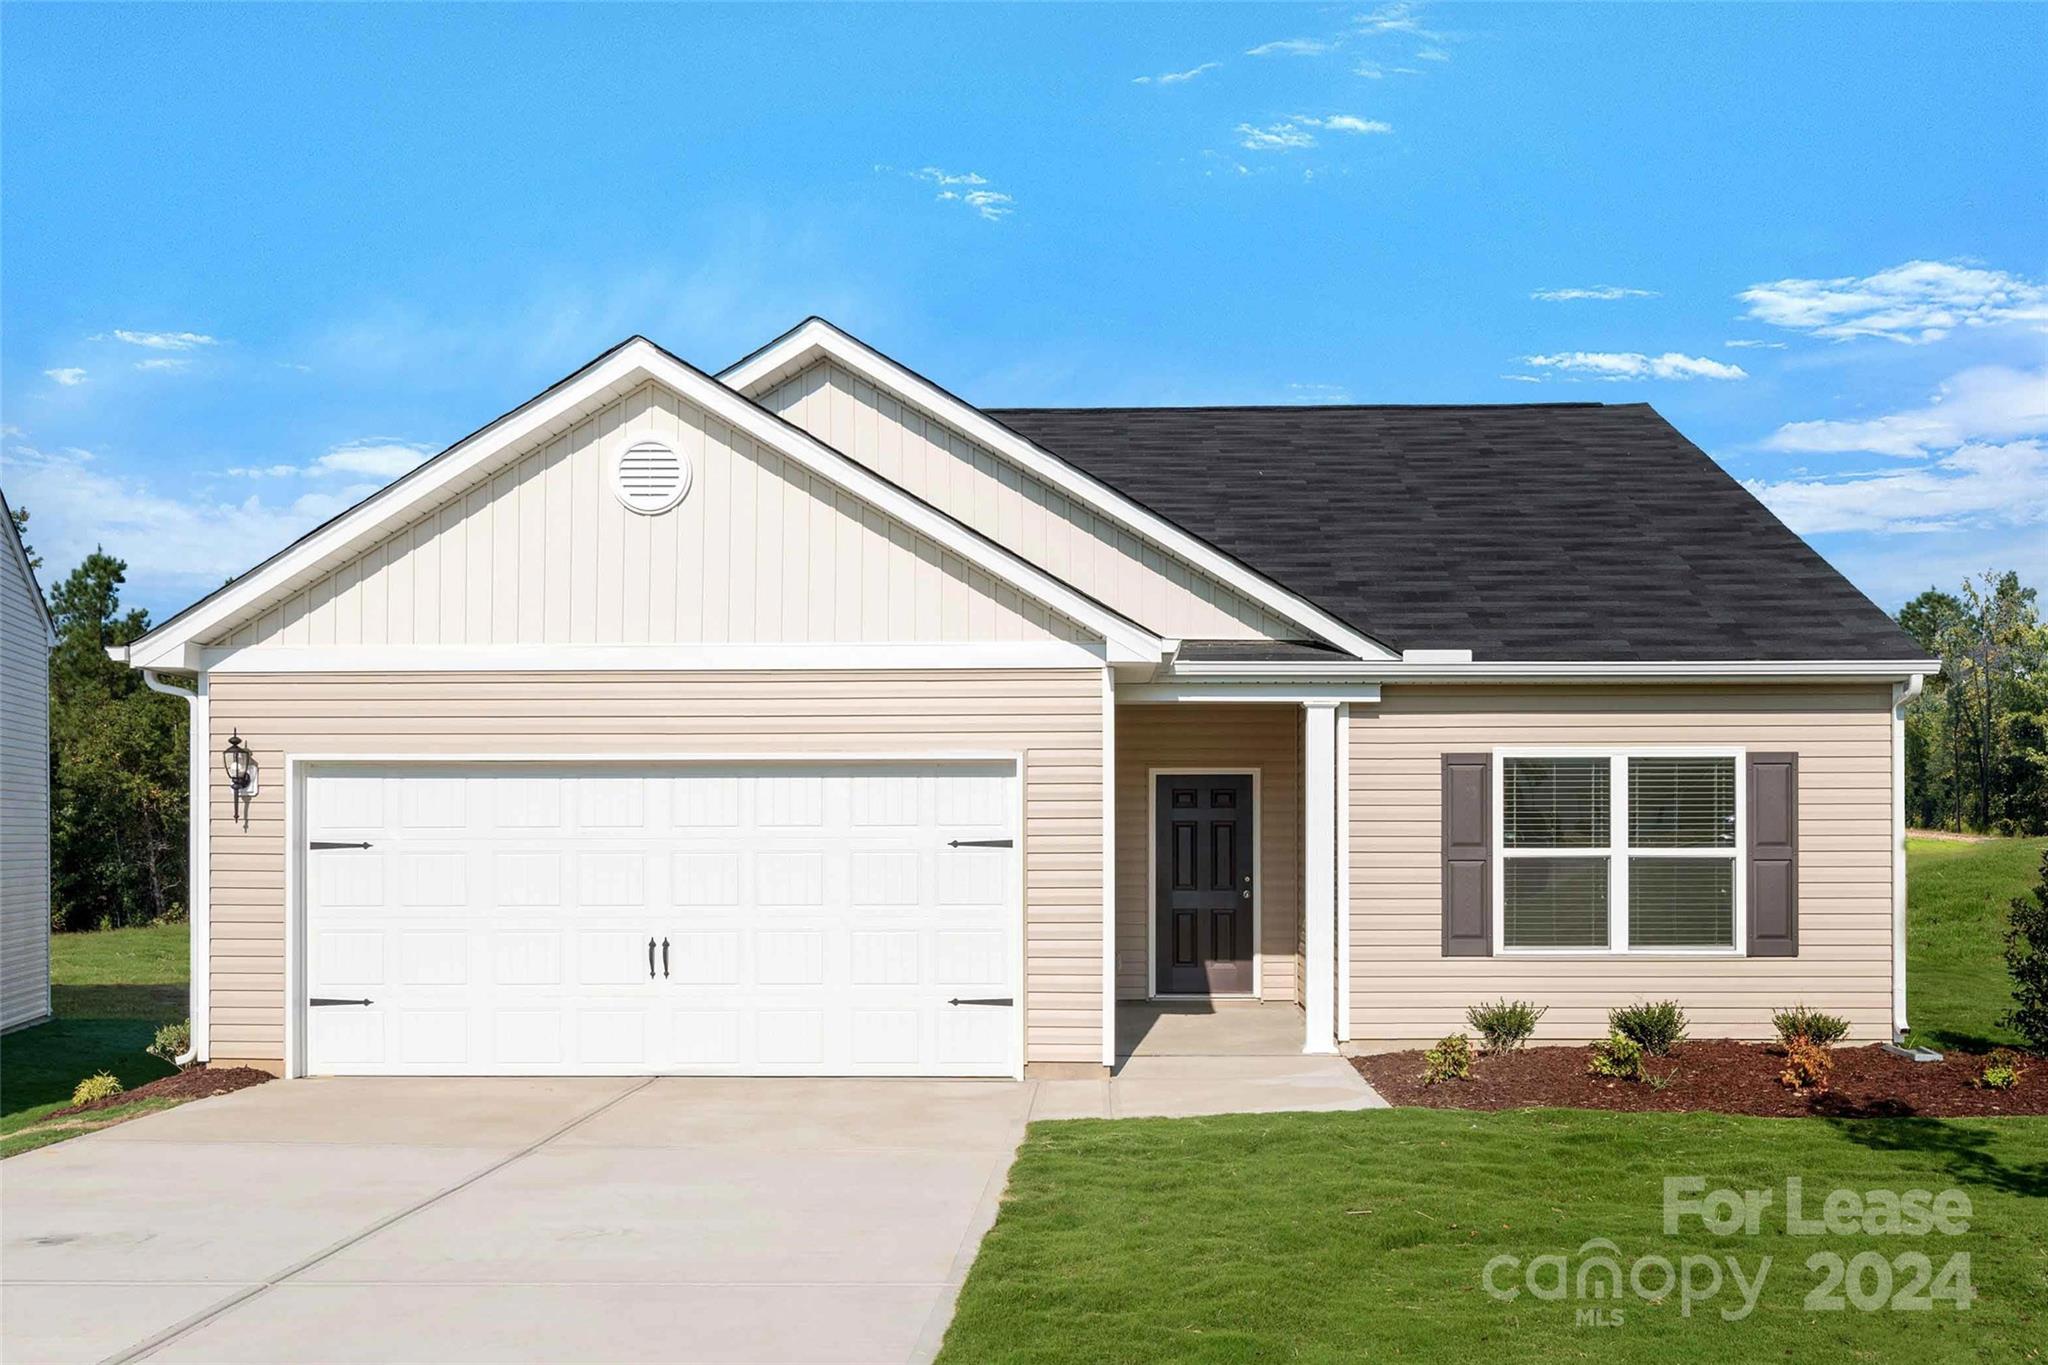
x=253 y=261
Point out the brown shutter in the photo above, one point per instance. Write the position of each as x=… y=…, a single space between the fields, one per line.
x=1774 y=855
x=1468 y=855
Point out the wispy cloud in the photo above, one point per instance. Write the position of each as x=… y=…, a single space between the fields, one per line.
x=1176 y=77
x=1372 y=71
x=164 y=363
x=1292 y=47
x=69 y=376
x=1752 y=344
x=1432 y=54
x=1635 y=365
x=1396 y=18
x=160 y=341
x=1990 y=403
x=1318 y=393
x=1523 y=378
x=970 y=189
x=185 y=541
x=1919 y=301
x=1974 y=487
x=1297 y=131
x=378 y=457
x=1601 y=292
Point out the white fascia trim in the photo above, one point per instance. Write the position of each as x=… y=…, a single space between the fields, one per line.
x=645 y=658
x=632 y=364
x=1811 y=670
x=816 y=338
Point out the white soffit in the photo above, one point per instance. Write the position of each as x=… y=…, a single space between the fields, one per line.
x=176 y=643
x=816 y=338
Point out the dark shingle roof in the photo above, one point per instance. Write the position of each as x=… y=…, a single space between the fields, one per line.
x=1539 y=532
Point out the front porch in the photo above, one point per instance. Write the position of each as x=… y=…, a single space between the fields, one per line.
x=1225 y=875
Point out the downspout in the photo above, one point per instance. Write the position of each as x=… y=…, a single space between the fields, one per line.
x=198 y=876
x=1902 y=696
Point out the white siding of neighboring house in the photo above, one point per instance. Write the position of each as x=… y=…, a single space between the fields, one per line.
x=1066 y=539
x=760 y=550
x=24 y=796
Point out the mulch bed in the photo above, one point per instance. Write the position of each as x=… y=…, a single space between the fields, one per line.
x=1715 y=1076
x=199 y=1083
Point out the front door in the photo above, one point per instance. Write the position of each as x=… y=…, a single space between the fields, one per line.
x=1203 y=917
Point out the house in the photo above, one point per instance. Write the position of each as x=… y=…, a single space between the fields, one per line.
x=806 y=719
x=26 y=639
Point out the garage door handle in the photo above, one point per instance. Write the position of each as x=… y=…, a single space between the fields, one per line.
x=322 y=843
x=981 y=843
x=664 y=959
x=985 y=1000
x=650 y=959
x=329 y=1000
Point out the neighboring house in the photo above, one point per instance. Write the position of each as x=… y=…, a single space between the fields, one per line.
x=25 y=643
x=807 y=719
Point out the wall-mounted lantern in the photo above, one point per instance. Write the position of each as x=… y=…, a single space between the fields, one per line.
x=244 y=776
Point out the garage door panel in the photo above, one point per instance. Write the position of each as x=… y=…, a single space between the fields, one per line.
x=814 y=920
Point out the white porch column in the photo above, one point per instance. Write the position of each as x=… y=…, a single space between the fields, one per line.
x=1319 y=874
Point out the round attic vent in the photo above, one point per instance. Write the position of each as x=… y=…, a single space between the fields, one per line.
x=648 y=474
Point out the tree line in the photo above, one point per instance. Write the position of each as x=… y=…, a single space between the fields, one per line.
x=117 y=762
x=1977 y=736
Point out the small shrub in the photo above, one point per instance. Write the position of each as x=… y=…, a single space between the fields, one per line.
x=1658 y=1026
x=2002 y=1070
x=1618 y=1057
x=172 y=1041
x=98 y=1087
x=1504 y=1025
x=1449 y=1060
x=2026 y=958
x=1812 y=1025
x=1807 y=1065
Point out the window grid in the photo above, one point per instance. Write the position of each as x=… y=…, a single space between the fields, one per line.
x=1619 y=853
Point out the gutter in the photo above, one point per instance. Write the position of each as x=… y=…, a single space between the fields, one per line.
x=1469 y=671
x=1902 y=696
x=198 y=877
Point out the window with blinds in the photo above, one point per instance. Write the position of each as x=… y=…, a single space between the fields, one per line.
x=1619 y=853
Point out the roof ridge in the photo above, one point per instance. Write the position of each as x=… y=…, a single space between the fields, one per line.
x=1312 y=407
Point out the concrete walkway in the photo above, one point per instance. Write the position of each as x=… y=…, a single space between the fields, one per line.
x=550 y=1220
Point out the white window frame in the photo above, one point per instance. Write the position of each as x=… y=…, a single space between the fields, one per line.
x=1617 y=852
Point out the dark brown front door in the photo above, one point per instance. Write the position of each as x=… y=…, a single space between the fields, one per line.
x=1203 y=920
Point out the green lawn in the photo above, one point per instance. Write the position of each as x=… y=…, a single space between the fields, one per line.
x=1956 y=896
x=109 y=992
x=1356 y=1237
x=1347 y=1237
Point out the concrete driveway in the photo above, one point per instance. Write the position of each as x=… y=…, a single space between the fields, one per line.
x=478 y=1220
x=555 y=1220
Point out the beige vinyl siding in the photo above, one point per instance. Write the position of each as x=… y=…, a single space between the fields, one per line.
x=542 y=552
x=1137 y=578
x=1404 y=989
x=1223 y=737
x=1053 y=717
x=24 y=796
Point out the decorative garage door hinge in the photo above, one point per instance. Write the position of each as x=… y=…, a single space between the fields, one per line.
x=980 y=843
x=323 y=843
x=329 y=1000
x=985 y=1000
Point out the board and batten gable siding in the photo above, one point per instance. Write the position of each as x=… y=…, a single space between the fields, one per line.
x=760 y=550
x=1404 y=990
x=1225 y=737
x=1053 y=717
x=1017 y=509
x=24 y=798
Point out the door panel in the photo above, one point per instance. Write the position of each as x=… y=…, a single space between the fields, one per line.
x=1205 y=885
x=730 y=918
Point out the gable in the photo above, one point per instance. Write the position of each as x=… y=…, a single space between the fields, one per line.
x=536 y=549
x=1075 y=543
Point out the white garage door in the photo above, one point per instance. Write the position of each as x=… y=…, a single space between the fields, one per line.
x=846 y=919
